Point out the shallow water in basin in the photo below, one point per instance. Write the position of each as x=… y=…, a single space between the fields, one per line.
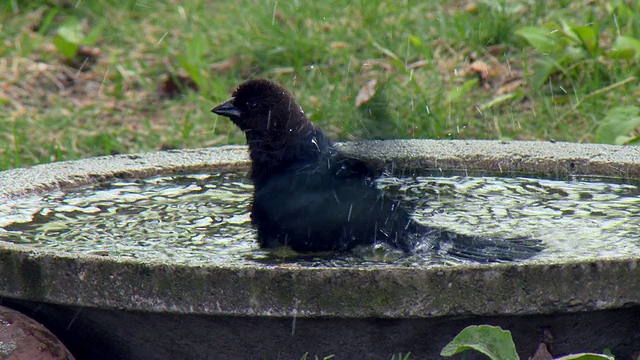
x=204 y=219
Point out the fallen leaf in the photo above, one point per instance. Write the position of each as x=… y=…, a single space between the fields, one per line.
x=315 y=102
x=417 y=64
x=511 y=86
x=471 y=7
x=366 y=93
x=336 y=45
x=543 y=352
x=225 y=66
x=481 y=68
x=89 y=51
x=287 y=265
x=371 y=63
x=173 y=85
x=282 y=71
x=494 y=75
x=496 y=50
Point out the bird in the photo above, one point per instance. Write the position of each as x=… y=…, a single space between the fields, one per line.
x=310 y=197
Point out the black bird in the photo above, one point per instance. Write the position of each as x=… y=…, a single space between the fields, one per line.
x=310 y=197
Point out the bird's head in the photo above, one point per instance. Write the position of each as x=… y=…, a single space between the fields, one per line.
x=264 y=110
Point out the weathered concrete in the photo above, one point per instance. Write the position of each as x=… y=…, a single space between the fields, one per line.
x=94 y=289
x=66 y=174
x=499 y=289
x=544 y=159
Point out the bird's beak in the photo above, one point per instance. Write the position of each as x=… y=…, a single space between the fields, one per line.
x=226 y=109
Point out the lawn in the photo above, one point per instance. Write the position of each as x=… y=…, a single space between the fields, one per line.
x=87 y=78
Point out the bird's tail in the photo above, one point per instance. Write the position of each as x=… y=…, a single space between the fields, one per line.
x=483 y=249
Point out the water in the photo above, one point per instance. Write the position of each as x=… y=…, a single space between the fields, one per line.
x=204 y=219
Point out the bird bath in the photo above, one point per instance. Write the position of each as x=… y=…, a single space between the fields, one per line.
x=127 y=305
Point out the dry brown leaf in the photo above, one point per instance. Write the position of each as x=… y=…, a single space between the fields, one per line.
x=89 y=51
x=417 y=64
x=495 y=50
x=496 y=75
x=282 y=70
x=543 y=352
x=511 y=86
x=315 y=102
x=336 y=45
x=481 y=68
x=366 y=93
x=287 y=265
x=371 y=63
x=471 y=7
x=173 y=85
x=225 y=66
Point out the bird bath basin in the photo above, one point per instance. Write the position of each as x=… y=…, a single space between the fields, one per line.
x=110 y=300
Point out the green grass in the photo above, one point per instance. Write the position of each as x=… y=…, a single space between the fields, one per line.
x=54 y=106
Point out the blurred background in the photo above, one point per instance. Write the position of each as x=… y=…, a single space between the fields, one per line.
x=87 y=78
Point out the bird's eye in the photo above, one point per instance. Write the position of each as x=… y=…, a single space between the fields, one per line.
x=252 y=104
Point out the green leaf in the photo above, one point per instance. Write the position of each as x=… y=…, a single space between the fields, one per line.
x=195 y=72
x=66 y=48
x=588 y=37
x=69 y=38
x=544 y=68
x=573 y=54
x=625 y=47
x=634 y=141
x=616 y=126
x=46 y=22
x=93 y=36
x=568 y=34
x=622 y=140
x=414 y=40
x=71 y=31
x=620 y=10
x=540 y=38
x=190 y=67
x=192 y=61
x=396 y=59
x=499 y=100
x=196 y=48
x=491 y=341
x=455 y=94
x=586 y=356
